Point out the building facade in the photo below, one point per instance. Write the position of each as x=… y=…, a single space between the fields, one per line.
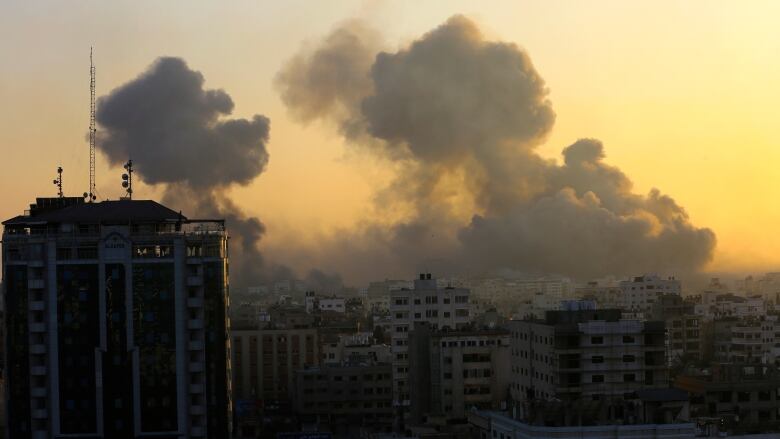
x=446 y=307
x=264 y=365
x=452 y=372
x=345 y=398
x=117 y=322
x=642 y=292
x=590 y=356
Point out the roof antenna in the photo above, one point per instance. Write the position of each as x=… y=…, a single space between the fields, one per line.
x=58 y=182
x=92 y=195
x=127 y=180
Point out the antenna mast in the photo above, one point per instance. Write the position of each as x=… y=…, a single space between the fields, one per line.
x=92 y=129
x=127 y=180
x=58 y=182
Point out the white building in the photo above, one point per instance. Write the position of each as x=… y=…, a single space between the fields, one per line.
x=321 y=304
x=446 y=307
x=641 y=293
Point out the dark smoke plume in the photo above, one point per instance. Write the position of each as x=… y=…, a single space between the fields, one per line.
x=176 y=133
x=462 y=117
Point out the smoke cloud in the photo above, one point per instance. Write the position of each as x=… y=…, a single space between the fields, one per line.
x=462 y=117
x=177 y=135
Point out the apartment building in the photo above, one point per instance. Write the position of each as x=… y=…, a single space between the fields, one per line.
x=642 y=292
x=441 y=307
x=264 y=365
x=453 y=371
x=584 y=355
x=345 y=398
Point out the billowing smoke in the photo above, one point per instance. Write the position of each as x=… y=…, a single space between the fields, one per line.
x=461 y=117
x=177 y=135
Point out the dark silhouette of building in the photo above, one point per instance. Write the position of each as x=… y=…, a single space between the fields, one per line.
x=116 y=322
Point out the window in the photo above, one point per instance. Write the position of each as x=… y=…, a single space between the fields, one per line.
x=598 y=379
x=597 y=340
x=629 y=358
x=597 y=359
x=628 y=339
x=629 y=377
x=461 y=313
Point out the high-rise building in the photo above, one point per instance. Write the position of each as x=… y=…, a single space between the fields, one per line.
x=116 y=319
x=446 y=307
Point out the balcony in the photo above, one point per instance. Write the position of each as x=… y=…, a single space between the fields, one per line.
x=38 y=370
x=198 y=431
x=38 y=392
x=195 y=302
x=38 y=349
x=196 y=388
x=194 y=281
x=36 y=284
x=37 y=305
x=40 y=414
x=196 y=367
x=195 y=324
x=195 y=346
x=197 y=410
x=38 y=327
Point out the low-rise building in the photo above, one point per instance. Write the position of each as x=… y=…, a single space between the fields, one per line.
x=745 y=397
x=642 y=292
x=586 y=355
x=346 y=398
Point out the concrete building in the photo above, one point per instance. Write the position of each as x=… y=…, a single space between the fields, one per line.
x=446 y=307
x=316 y=303
x=684 y=329
x=117 y=322
x=493 y=425
x=451 y=372
x=360 y=346
x=346 y=398
x=641 y=292
x=264 y=365
x=587 y=355
x=744 y=397
x=752 y=340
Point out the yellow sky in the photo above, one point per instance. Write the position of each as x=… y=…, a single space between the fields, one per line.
x=683 y=95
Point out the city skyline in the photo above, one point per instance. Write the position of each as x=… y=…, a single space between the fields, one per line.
x=685 y=110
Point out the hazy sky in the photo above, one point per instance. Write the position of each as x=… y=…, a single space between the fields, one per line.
x=682 y=94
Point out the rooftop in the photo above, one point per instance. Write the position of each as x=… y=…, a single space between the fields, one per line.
x=74 y=210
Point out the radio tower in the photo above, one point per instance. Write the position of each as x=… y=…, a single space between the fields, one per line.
x=92 y=129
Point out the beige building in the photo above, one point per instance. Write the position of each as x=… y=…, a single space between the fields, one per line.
x=264 y=365
x=452 y=372
x=446 y=307
x=593 y=357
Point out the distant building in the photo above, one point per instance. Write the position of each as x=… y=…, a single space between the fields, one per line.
x=592 y=356
x=454 y=371
x=264 y=365
x=117 y=322
x=316 y=303
x=684 y=329
x=748 y=340
x=441 y=307
x=641 y=293
x=346 y=398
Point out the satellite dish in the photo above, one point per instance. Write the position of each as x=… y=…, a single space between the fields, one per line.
x=124 y=184
x=125 y=177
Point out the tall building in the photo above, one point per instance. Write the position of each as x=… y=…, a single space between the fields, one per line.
x=116 y=319
x=590 y=357
x=446 y=307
